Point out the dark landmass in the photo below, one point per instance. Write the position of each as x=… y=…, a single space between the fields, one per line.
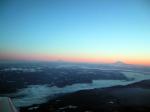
x=131 y=98
x=143 y=84
x=17 y=76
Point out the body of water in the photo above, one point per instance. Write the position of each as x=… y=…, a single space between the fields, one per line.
x=37 y=94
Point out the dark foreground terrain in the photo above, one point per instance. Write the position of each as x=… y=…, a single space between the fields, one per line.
x=131 y=98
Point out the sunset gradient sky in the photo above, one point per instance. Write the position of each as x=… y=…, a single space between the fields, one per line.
x=101 y=31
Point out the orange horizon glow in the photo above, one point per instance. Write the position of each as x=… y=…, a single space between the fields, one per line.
x=77 y=58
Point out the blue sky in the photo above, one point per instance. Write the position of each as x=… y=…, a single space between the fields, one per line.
x=118 y=29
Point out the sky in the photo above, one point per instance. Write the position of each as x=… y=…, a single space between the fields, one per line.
x=100 y=31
